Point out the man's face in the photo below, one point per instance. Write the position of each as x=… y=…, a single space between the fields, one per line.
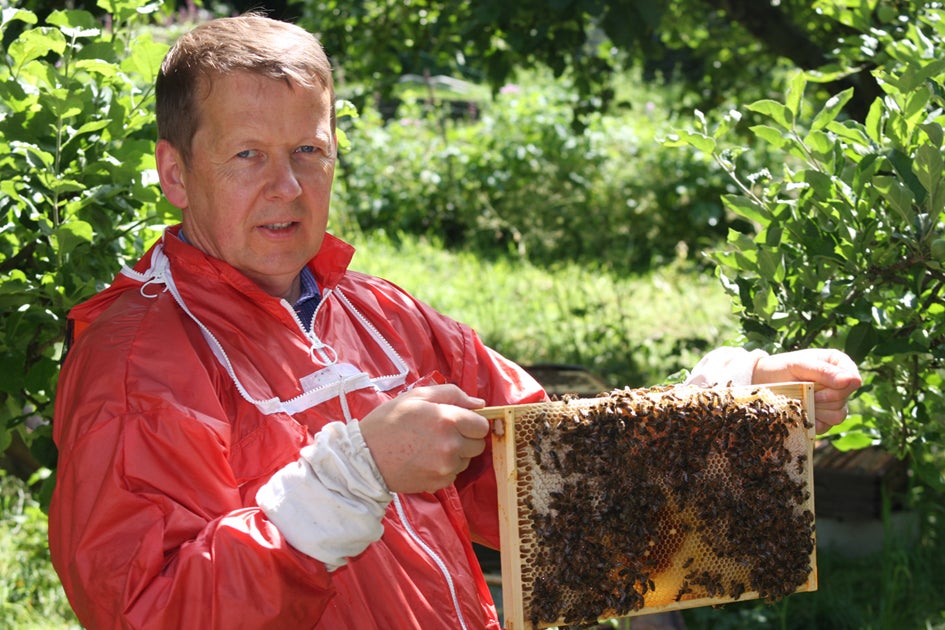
x=256 y=191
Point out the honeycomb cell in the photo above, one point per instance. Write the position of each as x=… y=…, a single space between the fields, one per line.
x=654 y=499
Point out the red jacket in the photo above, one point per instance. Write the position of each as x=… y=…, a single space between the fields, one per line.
x=153 y=522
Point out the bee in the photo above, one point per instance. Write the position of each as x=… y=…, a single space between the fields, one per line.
x=555 y=460
x=684 y=590
x=801 y=460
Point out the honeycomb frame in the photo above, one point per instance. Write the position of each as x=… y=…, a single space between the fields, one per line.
x=678 y=545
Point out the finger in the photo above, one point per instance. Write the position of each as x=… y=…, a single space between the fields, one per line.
x=471 y=425
x=446 y=394
x=842 y=361
x=827 y=417
x=825 y=374
x=845 y=375
x=829 y=395
x=471 y=448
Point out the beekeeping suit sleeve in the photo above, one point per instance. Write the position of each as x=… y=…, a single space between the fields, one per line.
x=329 y=502
x=725 y=365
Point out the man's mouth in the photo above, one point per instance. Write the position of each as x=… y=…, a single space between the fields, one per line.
x=278 y=226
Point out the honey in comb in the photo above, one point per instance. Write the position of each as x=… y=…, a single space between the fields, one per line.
x=646 y=497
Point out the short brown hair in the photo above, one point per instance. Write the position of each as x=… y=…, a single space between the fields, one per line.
x=248 y=43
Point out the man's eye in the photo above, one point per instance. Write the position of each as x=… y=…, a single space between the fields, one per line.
x=306 y=148
x=248 y=153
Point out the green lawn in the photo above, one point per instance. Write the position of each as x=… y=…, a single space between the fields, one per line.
x=632 y=331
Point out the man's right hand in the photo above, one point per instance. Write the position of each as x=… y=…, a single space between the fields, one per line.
x=424 y=438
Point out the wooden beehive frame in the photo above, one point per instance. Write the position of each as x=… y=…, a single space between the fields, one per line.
x=508 y=447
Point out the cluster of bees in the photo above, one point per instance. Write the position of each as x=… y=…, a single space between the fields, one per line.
x=649 y=496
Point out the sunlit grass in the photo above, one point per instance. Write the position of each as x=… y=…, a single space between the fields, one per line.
x=31 y=597
x=631 y=330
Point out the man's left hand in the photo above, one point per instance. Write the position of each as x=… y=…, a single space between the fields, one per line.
x=834 y=375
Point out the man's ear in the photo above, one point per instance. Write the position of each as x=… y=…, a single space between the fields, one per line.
x=170 y=168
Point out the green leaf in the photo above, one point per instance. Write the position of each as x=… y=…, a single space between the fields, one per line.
x=74 y=24
x=121 y=10
x=725 y=125
x=865 y=171
x=853 y=440
x=874 y=121
x=861 y=339
x=65 y=104
x=916 y=103
x=344 y=142
x=61 y=185
x=896 y=346
x=852 y=132
x=770 y=264
x=90 y=127
x=899 y=196
x=346 y=109
x=72 y=233
x=42 y=371
x=934 y=133
x=765 y=302
x=700 y=142
x=36 y=43
x=747 y=208
x=795 y=93
x=915 y=75
x=831 y=109
x=903 y=165
x=46 y=159
x=778 y=112
x=928 y=169
x=774 y=137
x=819 y=143
x=104 y=69
x=145 y=58
x=820 y=183
x=6 y=438
x=12 y=13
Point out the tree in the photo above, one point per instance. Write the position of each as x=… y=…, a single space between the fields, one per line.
x=718 y=48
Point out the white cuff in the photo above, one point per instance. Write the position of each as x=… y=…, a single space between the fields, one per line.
x=725 y=365
x=329 y=503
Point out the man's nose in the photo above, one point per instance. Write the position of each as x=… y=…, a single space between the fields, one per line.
x=283 y=180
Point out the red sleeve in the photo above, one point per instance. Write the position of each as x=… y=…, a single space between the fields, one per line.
x=148 y=526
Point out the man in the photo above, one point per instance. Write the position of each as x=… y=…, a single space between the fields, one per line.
x=250 y=434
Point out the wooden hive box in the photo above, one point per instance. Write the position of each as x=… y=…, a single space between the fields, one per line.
x=648 y=500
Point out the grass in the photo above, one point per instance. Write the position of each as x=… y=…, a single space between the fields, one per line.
x=31 y=597
x=632 y=331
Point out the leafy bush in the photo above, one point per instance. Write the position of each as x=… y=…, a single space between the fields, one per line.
x=77 y=183
x=519 y=180
x=850 y=250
